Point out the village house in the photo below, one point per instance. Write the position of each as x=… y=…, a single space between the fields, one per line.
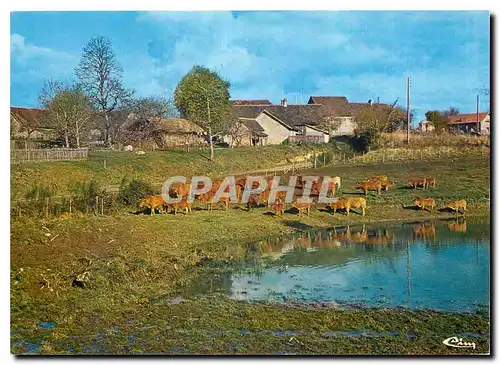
x=246 y=132
x=467 y=123
x=30 y=128
x=164 y=133
x=29 y=123
x=317 y=121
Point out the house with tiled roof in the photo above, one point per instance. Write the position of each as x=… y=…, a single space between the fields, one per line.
x=251 y=102
x=29 y=123
x=316 y=121
x=469 y=122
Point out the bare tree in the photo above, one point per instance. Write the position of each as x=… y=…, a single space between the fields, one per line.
x=143 y=113
x=151 y=107
x=49 y=90
x=237 y=132
x=70 y=114
x=451 y=111
x=100 y=77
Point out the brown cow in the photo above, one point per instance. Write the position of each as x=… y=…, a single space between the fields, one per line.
x=384 y=181
x=184 y=205
x=278 y=207
x=457 y=205
x=302 y=207
x=339 y=204
x=350 y=203
x=414 y=183
x=179 y=190
x=152 y=202
x=366 y=186
x=380 y=178
x=208 y=196
x=428 y=203
x=430 y=181
x=253 y=201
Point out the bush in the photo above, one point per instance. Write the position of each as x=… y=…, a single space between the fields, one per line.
x=40 y=199
x=85 y=195
x=130 y=193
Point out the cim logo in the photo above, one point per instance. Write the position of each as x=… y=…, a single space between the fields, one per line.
x=459 y=343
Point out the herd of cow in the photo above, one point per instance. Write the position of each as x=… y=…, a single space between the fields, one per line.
x=376 y=183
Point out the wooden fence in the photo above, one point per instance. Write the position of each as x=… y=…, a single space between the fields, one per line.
x=306 y=138
x=48 y=154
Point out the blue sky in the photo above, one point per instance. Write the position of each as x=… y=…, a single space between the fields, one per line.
x=268 y=55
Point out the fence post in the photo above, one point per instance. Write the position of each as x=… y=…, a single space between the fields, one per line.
x=102 y=206
x=70 y=206
x=96 y=209
x=344 y=158
x=46 y=207
x=104 y=164
x=324 y=160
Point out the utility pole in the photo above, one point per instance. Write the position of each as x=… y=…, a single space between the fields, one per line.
x=408 y=110
x=477 y=114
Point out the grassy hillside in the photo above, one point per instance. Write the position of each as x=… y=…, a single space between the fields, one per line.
x=153 y=167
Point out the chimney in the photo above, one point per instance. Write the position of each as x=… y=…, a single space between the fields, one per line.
x=283 y=102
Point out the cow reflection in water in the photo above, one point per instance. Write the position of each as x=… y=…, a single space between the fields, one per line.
x=459 y=225
x=304 y=240
x=327 y=239
x=378 y=236
x=426 y=232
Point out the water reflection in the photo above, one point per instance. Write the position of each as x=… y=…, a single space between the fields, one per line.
x=459 y=225
x=425 y=232
x=440 y=265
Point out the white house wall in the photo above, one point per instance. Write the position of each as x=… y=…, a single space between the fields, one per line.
x=275 y=131
x=313 y=132
x=346 y=127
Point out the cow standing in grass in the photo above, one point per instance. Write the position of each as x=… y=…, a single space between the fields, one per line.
x=369 y=186
x=427 y=203
x=152 y=202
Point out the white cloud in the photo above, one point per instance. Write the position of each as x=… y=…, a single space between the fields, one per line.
x=23 y=52
x=433 y=89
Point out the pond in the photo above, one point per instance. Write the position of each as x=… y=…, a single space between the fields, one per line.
x=441 y=265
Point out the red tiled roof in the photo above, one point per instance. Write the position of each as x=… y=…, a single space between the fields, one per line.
x=465 y=118
x=338 y=105
x=28 y=115
x=251 y=102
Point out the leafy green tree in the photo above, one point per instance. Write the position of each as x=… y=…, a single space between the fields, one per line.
x=437 y=119
x=100 y=77
x=375 y=119
x=203 y=96
x=70 y=114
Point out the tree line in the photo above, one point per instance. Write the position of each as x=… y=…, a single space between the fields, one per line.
x=98 y=100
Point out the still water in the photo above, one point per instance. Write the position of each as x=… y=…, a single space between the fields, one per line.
x=435 y=265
